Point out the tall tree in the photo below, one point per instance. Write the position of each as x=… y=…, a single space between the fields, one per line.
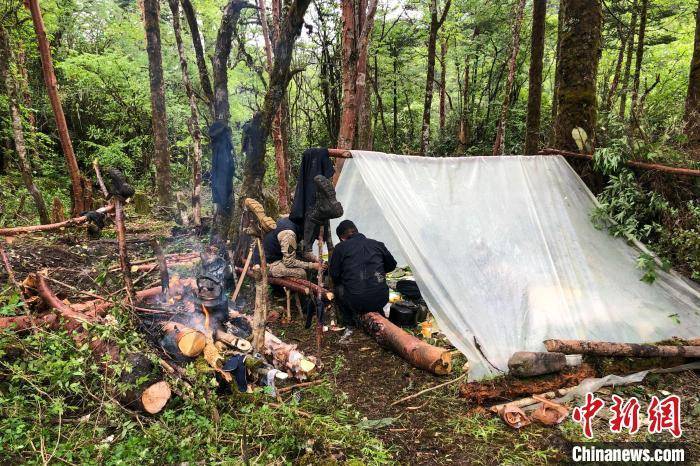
x=79 y=185
x=692 y=100
x=151 y=18
x=443 y=83
x=611 y=92
x=578 y=66
x=204 y=80
x=534 y=95
x=12 y=89
x=639 y=58
x=358 y=21
x=277 y=136
x=628 y=60
x=261 y=124
x=222 y=109
x=193 y=121
x=436 y=21
x=499 y=142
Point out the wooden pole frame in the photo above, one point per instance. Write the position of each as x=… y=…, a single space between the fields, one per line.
x=346 y=154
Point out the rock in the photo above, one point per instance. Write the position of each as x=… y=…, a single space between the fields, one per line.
x=530 y=363
x=141 y=204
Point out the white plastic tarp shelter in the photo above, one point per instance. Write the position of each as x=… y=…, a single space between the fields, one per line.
x=506 y=256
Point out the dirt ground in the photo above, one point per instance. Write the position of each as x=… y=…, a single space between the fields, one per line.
x=439 y=427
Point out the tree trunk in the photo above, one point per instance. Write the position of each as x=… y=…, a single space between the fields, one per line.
x=358 y=20
x=465 y=130
x=557 y=73
x=602 y=348
x=578 y=62
x=204 y=80
x=435 y=25
x=610 y=93
x=499 y=143
x=261 y=124
x=638 y=62
x=192 y=122
x=534 y=95
x=628 y=62
x=17 y=130
x=443 y=84
x=77 y=180
x=277 y=138
x=692 y=100
x=151 y=9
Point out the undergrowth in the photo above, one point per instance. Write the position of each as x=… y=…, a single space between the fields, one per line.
x=56 y=405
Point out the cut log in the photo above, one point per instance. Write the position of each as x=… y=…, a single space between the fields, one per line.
x=294 y=284
x=531 y=363
x=419 y=353
x=71 y=222
x=107 y=353
x=189 y=341
x=511 y=388
x=155 y=397
x=603 y=348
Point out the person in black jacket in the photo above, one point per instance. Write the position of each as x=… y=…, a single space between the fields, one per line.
x=358 y=268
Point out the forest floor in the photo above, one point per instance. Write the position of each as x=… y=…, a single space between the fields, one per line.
x=359 y=382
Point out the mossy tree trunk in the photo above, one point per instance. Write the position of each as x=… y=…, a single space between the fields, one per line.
x=579 y=52
x=692 y=101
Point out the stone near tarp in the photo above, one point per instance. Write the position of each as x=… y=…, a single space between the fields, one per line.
x=141 y=203
x=530 y=363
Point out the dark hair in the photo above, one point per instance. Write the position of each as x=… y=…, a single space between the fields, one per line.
x=344 y=228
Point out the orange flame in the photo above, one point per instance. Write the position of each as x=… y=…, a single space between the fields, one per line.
x=206 y=317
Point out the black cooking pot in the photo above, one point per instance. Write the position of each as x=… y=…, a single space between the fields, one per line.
x=403 y=314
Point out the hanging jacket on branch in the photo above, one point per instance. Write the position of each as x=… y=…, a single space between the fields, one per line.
x=223 y=164
x=314 y=161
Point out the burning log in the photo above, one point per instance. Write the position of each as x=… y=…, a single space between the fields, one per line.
x=603 y=348
x=149 y=396
x=419 y=353
x=72 y=222
x=189 y=341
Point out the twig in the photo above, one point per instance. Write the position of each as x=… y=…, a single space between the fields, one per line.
x=77 y=290
x=8 y=267
x=300 y=385
x=410 y=397
x=243 y=274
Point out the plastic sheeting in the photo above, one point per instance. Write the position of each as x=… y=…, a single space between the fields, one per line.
x=506 y=256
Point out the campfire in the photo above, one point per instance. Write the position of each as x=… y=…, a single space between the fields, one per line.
x=189 y=317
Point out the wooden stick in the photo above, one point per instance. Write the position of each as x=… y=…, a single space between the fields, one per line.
x=260 y=313
x=604 y=348
x=345 y=154
x=8 y=267
x=300 y=385
x=121 y=243
x=631 y=163
x=100 y=181
x=71 y=222
x=415 y=395
x=162 y=265
x=77 y=290
x=319 y=295
x=244 y=272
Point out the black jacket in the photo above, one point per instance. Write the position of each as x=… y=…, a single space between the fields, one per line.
x=314 y=162
x=360 y=265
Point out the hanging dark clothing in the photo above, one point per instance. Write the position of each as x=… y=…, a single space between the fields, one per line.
x=360 y=264
x=314 y=161
x=223 y=165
